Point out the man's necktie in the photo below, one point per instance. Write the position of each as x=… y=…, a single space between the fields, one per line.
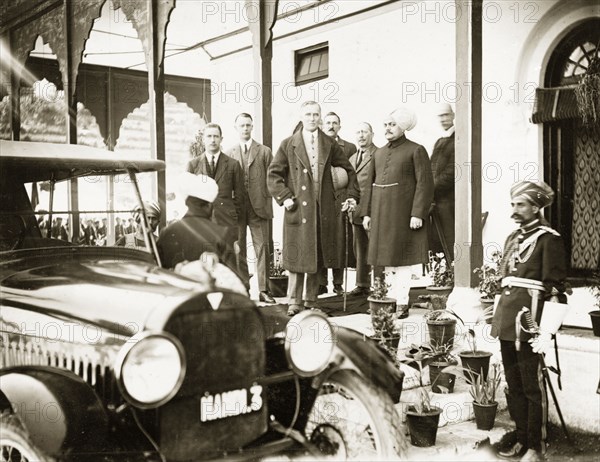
x=245 y=149
x=212 y=167
x=359 y=157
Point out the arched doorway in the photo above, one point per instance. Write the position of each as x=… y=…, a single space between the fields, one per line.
x=572 y=150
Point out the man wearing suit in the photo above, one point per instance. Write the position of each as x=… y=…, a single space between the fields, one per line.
x=332 y=125
x=361 y=161
x=299 y=178
x=442 y=167
x=257 y=209
x=227 y=173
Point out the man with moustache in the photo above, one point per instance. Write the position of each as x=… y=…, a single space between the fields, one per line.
x=533 y=267
x=227 y=173
x=257 y=210
x=300 y=179
x=361 y=161
x=396 y=208
x=332 y=126
x=442 y=167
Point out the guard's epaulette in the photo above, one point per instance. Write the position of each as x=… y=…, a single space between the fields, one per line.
x=550 y=230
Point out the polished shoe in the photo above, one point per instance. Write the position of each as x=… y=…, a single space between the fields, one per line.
x=402 y=311
x=294 y=309
x=322 y=290
x=359 y=291
x=338 y=289
x=266 y=297
x=515 y=451
x=532 y=456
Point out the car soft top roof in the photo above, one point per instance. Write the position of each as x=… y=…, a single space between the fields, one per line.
x=33 y=161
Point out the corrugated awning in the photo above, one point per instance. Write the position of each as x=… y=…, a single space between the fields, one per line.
x=552 y=104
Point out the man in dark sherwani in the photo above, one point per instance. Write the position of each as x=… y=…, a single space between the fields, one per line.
x=396 y=208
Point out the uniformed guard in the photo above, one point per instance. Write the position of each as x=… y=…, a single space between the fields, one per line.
x=534 y=270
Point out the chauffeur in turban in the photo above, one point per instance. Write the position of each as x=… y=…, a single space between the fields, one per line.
x=533 y=270
x=187 y=239
x=396 y=208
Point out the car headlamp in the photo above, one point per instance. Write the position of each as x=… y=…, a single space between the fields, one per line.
x=150 y=368
x=309 y=342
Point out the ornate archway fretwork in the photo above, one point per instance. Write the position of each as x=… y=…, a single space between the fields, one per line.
x=137 y=12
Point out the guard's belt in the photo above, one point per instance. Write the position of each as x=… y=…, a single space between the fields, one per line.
x=512 y=281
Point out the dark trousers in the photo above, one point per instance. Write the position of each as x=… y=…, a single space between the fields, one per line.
x=259 y=230
x=338 y=276
x=526 y=393
x=361 y=247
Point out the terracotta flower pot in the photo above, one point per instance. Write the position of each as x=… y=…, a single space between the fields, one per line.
x=278 y=285
x=485 y=415
x=478 y=362
x=423 y=427
x=441 y=332
x=441 y=382
x=595 y=315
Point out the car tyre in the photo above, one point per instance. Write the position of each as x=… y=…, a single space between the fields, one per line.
x=346 y=387
x=15 y=443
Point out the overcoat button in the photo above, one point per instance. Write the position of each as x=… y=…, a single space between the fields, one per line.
x=507 y=292
x=305 y=171
x=303 y=188
x=304 y=220
x=304 y=203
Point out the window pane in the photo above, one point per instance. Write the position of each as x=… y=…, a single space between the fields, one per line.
x=314 y=63
x=304 y=65
x=324 y=62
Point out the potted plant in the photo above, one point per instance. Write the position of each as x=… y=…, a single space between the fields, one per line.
x=477 y=361
x=278 y=277
x=422 y=417
x=489 y=278
x=441 y=326
x=483 y=391
x=595 y=315
x=441 y=273
x=382 y=309
x=441 y=378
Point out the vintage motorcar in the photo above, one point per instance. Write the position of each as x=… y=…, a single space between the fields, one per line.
x=104 y=355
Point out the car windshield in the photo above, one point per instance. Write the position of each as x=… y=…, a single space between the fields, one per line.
x=46 y=188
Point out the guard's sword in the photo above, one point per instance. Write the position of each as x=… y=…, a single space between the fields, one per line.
x=533 y=329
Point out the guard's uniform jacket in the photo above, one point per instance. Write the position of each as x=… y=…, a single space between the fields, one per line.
x=534 y=255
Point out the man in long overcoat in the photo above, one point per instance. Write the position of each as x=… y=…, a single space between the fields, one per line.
x=299 y=178
x=442 y=167
x=396 y=208
x=331 y=127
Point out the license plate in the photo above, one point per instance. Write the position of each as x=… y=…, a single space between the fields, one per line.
x=230 y=403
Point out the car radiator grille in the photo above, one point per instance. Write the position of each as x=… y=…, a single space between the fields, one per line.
x=225 y=356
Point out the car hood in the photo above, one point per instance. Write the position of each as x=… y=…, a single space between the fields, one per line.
x=115 y=294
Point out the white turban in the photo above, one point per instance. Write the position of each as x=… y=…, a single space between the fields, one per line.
x=405 y=118
x=200 y=186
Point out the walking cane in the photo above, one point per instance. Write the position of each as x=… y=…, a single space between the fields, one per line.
x=533 y=329
x=346 y=220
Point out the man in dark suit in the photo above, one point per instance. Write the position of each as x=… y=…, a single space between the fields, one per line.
x=227 y=173
x=119 y=230
x=300 y=179
x=257 y=210
x=442 y=167
x=361 y=161
x=332 y=126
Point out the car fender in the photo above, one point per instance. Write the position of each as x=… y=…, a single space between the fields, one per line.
x=367 y=358
x=59 y=410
